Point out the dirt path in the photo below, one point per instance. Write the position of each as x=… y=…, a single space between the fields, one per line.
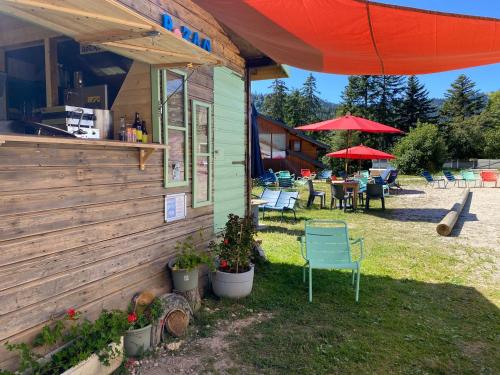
x=207 y=355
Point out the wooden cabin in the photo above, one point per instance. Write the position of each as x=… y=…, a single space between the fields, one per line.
x=87 y=220
x=284 y=148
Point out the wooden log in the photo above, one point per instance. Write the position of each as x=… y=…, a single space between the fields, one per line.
x=446 y=225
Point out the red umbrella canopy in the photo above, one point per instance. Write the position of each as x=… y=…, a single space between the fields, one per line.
x=361 y=153
x=349 y=122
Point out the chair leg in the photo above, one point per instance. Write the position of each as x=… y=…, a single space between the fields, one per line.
x=353 y=274
x=294 y=216
x=367 y=203
x=310 y=284
x=357 y=283
x=383 y=203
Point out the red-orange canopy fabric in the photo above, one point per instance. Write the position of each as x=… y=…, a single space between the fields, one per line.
x=349 y=122
x=361 y=153
x=360 y=37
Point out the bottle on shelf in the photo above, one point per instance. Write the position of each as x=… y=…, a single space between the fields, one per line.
x=138 y=128
x=122 y=135
x=144 y=132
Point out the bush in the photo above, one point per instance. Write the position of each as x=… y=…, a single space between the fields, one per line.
x=492 y=146
x=423 y=148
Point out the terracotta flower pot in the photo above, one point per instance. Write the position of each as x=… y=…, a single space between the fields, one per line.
x=232 y=285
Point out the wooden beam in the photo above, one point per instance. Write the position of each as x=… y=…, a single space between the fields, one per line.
x=27 y=16
x=109 y=36
x=51 y=72
x=44 y=5
x=163 y=52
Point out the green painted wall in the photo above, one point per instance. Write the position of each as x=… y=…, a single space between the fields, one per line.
x=229 y=145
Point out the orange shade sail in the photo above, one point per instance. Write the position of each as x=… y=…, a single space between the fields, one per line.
x=360 y=153
x=360 y=37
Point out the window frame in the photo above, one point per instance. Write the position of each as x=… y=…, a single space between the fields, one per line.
x=160 y=128
x=196 y=154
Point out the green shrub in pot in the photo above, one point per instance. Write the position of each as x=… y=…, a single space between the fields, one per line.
x=184 y=267
x=233 y=277
x=137 y=338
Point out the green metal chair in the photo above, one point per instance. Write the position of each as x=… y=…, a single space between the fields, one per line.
x=326 y=245
x=470 y=176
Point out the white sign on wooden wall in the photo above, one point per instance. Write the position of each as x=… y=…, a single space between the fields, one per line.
x=175 y=207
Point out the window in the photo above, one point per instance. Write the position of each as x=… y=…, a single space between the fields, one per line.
x=202 y=153
x=272 y=145
x=295 y=145
x=171 y=126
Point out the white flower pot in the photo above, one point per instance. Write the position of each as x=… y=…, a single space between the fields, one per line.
x=92 y=365
x=232 y=285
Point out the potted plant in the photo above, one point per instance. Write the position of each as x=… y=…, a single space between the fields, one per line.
x=233 y=276
x=137 y=338
x=184 y=267
x=85 y=347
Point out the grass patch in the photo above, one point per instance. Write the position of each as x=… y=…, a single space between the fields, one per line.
x=419 y=310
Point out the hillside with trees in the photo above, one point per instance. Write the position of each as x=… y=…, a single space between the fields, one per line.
x=465 y=124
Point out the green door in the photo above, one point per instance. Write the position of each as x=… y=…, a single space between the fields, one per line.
x=229 y=145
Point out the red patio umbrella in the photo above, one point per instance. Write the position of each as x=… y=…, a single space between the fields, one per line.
x=361 y=153
x=350 y=123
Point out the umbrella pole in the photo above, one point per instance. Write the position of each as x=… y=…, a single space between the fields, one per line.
x=347 y=153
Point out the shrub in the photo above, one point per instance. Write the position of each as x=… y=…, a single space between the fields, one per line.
x=189 y=257
x=234 y=251
x=81 y=340
x=422 y=148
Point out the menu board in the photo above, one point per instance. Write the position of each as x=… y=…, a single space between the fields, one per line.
x=175 y=207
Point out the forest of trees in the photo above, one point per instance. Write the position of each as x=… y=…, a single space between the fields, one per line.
x=466 y=121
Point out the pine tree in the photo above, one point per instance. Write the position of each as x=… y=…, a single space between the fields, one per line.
x=274 y=103
x=311 y=103
x=462 y=100
x=415 y=105
x=294 y=109
x=356 y=96
x=386 y=98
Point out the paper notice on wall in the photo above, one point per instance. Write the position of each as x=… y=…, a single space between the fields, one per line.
x=175 y=207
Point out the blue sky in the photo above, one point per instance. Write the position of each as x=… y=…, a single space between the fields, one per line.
x=486 y=77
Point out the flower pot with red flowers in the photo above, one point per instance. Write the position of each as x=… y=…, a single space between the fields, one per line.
x=137 y=338
x=233 y=277
x=184 y=267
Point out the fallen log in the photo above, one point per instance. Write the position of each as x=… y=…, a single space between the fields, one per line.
x=446 y=225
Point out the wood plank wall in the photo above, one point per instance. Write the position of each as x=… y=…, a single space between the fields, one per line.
x=83 y=227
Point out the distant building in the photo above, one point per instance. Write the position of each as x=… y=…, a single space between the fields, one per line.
x=284 y=148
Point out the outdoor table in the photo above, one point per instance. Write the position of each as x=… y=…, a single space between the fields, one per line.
x=354 y=185
x=255 y=203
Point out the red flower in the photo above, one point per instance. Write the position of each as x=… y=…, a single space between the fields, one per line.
x=226 y=241
x=223 y=264
x=132 y=317
x=71 y=313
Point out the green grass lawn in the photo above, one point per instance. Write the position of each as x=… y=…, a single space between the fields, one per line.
x=421 y=308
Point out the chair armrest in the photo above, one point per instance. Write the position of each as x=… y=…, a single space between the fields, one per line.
x=361 y=242
x=303 y=249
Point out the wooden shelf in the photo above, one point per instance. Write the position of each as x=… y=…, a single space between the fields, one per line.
x=145 y=149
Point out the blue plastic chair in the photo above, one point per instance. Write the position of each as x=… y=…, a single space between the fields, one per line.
x=268 y=178
x=452 y=178
x=326 y=245
x=279 y=200
x=432 y=181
